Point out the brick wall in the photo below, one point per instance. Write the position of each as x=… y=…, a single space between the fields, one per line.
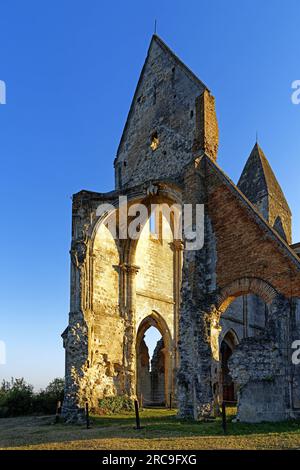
x=244 y=247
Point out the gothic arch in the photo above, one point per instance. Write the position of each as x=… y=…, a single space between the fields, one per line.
x=227 y=346
x=244 y=286
x=102 y=220
x=157 y=193
x=130 y=247
x=230 y=336
x=156 y=320
x=104 y=272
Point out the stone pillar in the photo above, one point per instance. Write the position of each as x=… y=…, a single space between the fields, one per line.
x=122 y=289
x=177 y=246
x=194 y=377
x=279 y=326
x=203 y=398
x=130 y=330
x=76 y=338
x=198 y=294
x=216 y=372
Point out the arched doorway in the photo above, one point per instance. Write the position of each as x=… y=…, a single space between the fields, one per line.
x=244 y=317
x=242 y=312
x=153 y=373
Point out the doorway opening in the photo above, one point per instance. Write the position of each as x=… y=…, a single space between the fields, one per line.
x=244 y=317
x=228 y=386
x=152 y=363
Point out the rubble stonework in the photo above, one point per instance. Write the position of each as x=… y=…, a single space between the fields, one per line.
x=260 y=367
x=241 y=288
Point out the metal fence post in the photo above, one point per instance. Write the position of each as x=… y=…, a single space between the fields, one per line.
x=87 y=415
x=137 y=414
x=224 y=422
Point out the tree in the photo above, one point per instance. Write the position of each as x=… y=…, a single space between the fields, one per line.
x=15 y=397
x=55 y=388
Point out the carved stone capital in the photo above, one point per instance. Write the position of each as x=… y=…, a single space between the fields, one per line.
x=151 y=189
x=126 y=268
x=132 y=269
x=122 y=267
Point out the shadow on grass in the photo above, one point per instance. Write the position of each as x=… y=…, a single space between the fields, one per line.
x=160 y=421
x=157 y=424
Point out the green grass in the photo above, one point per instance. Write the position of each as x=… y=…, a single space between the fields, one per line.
x=160 y=430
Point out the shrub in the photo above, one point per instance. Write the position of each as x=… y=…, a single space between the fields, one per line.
x=15 y=398
x=46 y=400
x=115 y=404
x=55 y=389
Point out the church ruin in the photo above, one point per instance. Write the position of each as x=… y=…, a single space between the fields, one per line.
x=228 y=313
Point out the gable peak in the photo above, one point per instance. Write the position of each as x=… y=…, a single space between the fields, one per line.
x=259 y=184
x=161 y=43
x=257 y=151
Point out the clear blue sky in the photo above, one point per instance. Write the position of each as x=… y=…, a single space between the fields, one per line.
x=71 y=68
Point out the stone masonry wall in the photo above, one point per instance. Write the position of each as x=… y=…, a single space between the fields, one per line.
x=257 y=367
x=155 y=278
x=164 y=105
x=207 y=133
x=198 y=285
x=261 y=368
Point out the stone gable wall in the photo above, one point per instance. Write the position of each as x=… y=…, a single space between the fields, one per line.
x=165 y=104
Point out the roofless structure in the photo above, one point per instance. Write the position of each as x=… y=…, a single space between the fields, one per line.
x=227 y=312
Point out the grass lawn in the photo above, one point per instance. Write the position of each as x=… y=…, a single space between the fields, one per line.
x=161 y=430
